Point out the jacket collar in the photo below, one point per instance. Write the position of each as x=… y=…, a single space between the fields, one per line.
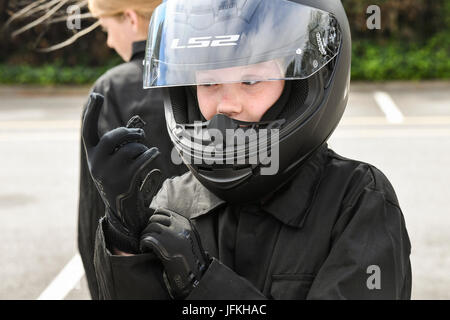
x=290 y=204
x=138 y=49
x=292 y=201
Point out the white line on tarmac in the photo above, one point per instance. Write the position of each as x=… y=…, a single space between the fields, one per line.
x=40 y=124
x=407 y=121
x=39 y=136
x=388 y=106
x=342 y=133
x=65 y=281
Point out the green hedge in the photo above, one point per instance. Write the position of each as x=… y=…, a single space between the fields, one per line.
x=48 y=74
x=400 y=61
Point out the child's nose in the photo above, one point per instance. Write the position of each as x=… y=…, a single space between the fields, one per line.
x=230 y=104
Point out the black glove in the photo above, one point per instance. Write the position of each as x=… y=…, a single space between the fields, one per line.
x=120 y=165
x=175 y=241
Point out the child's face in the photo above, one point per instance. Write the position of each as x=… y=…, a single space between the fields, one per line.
x=244 y=101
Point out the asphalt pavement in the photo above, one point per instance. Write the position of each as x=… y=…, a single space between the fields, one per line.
x=401 y=128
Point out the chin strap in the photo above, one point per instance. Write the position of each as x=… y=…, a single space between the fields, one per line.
x=222 y=123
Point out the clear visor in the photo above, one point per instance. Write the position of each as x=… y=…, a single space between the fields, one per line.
x=202 y=42
x=264 y=71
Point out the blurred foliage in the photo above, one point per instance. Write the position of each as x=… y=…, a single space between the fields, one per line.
x=90 y=50
x=402 y=61
x=49 y=74
x=413 y=43
x=401 y=20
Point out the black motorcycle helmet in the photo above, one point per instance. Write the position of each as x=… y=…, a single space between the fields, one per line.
x=310 y=42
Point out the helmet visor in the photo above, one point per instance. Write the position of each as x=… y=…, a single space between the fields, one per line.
x=187 y=39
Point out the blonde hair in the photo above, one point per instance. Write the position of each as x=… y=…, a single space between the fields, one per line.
x=143 y=8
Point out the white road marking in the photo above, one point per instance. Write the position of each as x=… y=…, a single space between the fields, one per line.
x=389 y=108
x=39 y=130
x=40 y=124
x=342 y=133
x=407 y=121
x=65 y=281
x=39 y=136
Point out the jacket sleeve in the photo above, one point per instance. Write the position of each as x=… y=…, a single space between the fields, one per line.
x=369 y=256
x=136 y=277
x=221 y=283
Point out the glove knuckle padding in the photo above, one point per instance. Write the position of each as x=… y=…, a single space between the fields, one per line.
x=147 y=156
x=179 y=247
x=143 y=164
x=150 y=185
x=152 y=152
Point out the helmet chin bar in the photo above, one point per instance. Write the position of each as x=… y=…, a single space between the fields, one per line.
x=222 y=123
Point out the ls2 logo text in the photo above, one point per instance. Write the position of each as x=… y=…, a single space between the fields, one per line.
x=206 y=42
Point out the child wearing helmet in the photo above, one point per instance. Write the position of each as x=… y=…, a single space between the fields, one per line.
x=267 y=210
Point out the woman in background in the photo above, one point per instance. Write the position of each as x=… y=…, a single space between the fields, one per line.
x=126 y=24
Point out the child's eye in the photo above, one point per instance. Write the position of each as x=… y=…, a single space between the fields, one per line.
x=207 y=85
x=250 y=83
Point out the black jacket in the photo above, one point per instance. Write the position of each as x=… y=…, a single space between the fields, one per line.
x=124 y=98
x=321 y=236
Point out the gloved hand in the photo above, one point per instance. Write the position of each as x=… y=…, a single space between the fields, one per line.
x=175 y=241
x=121 y=167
